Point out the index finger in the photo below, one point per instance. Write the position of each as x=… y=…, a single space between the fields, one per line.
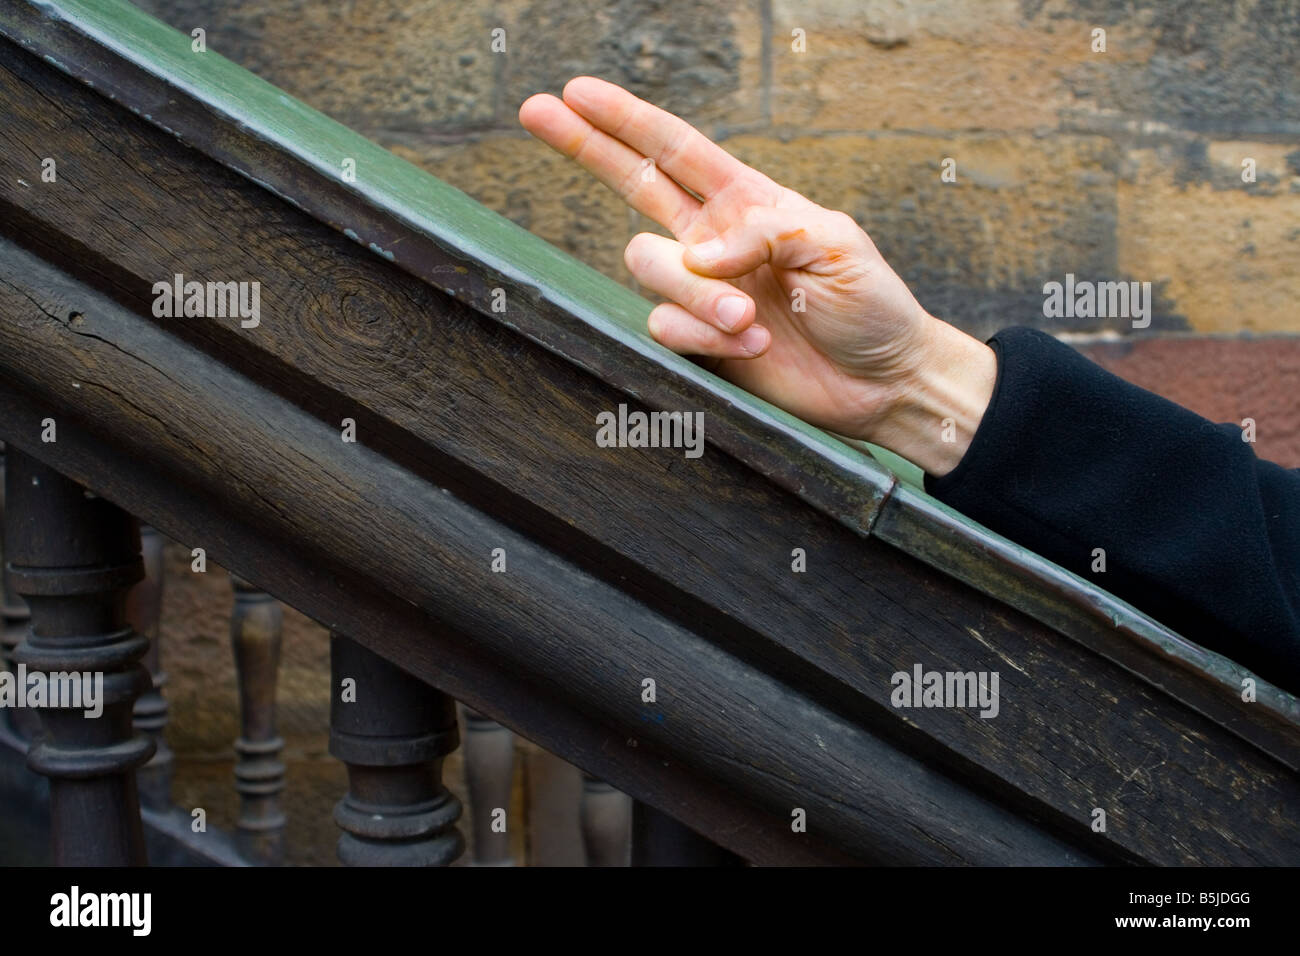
x=677 y=147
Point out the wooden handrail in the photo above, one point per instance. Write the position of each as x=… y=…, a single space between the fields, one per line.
x=439 y=234
x=476 y=432
x=375 y=550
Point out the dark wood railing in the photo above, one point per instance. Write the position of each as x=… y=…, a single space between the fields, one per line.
x=772 y=736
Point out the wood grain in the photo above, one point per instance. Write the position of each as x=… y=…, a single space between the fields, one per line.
x=1101 y=706
x=372 y=550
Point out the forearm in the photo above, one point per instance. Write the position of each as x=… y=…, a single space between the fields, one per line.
x=1155 y=504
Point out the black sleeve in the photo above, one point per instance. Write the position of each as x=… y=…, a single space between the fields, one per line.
x=1197 y=532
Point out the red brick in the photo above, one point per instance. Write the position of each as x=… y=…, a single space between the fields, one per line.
x=1223 y=379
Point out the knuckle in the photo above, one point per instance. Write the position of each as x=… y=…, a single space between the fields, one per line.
x=751 y=216
x=842 y=223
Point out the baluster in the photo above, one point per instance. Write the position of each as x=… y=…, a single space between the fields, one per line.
x=144 y=611
x=14 y=618
x=393 y=732
x=606 y=815
x=74 y=556
x=255 y=634
x=661 y=840
x=489 y=778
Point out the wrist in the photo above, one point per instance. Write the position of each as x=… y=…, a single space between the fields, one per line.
x=940 y=404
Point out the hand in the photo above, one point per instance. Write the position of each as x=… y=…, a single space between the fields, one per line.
x=793 y=301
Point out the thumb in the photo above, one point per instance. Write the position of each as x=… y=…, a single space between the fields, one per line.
x=784 y=238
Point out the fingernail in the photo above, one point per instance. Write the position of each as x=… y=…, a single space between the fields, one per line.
x=754 y=339
x=708 y=251
x=731 y=309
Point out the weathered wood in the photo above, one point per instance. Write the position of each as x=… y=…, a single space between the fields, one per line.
x=547 y=648
x=73 y=556
x=489 y=781
x=169 y=836
x=144 y=611
x=659 y=840
x=433 y=388
x=554 y=792
x=437 y=233
x=256 y=623
x=393 y=732
x=14 y=620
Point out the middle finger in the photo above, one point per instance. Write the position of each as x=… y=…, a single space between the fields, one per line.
x=635 y=178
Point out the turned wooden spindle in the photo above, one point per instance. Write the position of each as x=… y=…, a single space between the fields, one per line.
x=74 y=556
x=661 y=840
x=392 y=731
x=14 y=619
x=606 y=817
x=489 y=780
x=144 y=611
x=255 y=635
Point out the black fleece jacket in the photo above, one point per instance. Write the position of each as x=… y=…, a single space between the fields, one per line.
x=1197 y=532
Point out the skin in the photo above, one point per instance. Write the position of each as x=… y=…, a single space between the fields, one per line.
x=862 y=359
